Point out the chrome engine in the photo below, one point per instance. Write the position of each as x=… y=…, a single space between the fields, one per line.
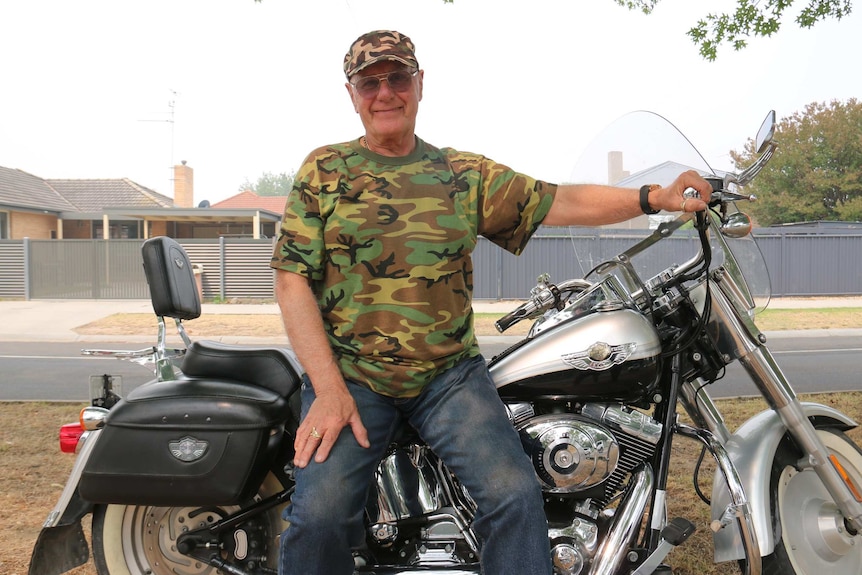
x=421 y=516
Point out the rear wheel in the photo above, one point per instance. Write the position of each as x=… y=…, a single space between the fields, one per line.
x=811 y=538
x=141 y=540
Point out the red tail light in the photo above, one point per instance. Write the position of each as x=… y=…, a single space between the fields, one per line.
x=69 y=436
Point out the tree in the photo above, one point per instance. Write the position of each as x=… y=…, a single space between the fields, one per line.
x=270 y=184
x=751 y=18
x=816 y=173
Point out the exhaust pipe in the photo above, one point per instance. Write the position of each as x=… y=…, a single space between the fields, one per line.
x=625 y=524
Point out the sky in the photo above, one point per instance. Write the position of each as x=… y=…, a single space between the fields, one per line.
x=99 y=89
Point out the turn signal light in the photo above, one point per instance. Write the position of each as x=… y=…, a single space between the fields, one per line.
x=70 y=434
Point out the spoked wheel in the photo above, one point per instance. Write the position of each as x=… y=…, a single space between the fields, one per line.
x=142 y=540
x=811 y=538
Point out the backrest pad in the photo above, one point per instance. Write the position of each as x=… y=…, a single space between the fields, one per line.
x=173 y=289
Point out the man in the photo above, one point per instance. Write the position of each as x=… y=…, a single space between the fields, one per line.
x=375 y=284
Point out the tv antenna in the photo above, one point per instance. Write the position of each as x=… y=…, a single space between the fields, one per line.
x=172 y=104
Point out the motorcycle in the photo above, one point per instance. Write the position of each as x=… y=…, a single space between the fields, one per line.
x=189 y=474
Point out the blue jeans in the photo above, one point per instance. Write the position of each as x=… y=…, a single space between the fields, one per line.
x=460 y=416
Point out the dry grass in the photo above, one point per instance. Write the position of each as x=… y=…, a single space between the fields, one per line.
x=820 y=318
x=257 y=325
x=32 y=476
x=34 y=471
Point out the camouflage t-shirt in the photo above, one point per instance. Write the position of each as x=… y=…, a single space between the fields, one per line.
x=386 y=244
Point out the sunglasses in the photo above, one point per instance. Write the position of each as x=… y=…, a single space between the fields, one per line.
x=398 y=80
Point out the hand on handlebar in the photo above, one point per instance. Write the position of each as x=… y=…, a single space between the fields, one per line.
x=688 y=193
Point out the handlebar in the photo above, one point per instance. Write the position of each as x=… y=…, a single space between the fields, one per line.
x=544 y=297
x=720 y=195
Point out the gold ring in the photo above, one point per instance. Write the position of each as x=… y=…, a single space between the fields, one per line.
x=314 y=433
x=682 y=207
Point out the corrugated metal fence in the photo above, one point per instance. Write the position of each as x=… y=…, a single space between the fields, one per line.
x=800 y=264
x=112 y=269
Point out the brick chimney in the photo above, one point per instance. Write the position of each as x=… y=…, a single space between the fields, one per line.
x=615 y=168
x=184 y=192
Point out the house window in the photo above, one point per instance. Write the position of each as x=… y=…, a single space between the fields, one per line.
x=4 y=225
x=118 y=230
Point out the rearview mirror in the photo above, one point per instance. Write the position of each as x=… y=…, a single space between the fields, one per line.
x=765 y=133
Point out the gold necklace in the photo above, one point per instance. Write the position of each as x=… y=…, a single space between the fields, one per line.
x=364 y=142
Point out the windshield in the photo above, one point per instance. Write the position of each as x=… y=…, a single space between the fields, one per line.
x=645 y=148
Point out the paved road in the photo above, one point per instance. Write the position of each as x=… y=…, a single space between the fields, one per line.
x=56 y=371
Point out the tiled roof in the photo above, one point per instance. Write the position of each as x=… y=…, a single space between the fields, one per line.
x=249 y=199
x=96 y=195
x=23 y=190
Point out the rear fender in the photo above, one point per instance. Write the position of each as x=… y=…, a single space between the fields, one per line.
x=752 y=449
x=61 y=545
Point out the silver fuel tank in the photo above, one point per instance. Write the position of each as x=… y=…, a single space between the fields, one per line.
x=607 y=352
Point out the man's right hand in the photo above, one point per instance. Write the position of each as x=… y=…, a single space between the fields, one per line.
x=330 y=412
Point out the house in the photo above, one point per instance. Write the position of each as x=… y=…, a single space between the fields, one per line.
x=249 y=200
x=38 y=208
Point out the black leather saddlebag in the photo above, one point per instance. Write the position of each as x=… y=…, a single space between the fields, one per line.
x=185 y=442
x=169 y=273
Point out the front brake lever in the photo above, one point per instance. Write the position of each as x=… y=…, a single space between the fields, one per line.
x=720 y=196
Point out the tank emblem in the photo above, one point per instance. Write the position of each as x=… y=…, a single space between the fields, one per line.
x=188 y=448
x=599 y=356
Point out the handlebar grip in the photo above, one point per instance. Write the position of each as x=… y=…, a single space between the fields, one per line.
x=509 y=320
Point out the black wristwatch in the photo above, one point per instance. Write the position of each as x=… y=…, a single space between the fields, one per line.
x=644 y=198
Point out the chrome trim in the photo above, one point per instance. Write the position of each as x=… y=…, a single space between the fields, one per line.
x=402 y=472
x=630 y=422
x=581 y=530
x=86 y=445
x=735 y=332
x=702 y=409
x=739 y=507
x=520 y=412
x=625 y=524
x=570 y=454
x=93 y=418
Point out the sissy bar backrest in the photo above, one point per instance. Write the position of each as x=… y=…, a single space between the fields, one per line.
x=173 y=292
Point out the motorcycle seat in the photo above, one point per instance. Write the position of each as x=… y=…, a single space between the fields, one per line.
x=270 y=367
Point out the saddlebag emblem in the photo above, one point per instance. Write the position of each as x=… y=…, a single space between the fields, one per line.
x=188 y=448
x=599 y=356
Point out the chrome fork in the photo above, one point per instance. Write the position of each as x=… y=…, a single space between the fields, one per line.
x=772 y=383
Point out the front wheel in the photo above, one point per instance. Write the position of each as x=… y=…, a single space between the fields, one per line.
x=141 y=540
x=811 y=538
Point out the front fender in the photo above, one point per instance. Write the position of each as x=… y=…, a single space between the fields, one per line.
x=752 y=449
x=61 y=545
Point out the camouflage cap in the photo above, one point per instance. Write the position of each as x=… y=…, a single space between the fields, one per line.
x=377 y=46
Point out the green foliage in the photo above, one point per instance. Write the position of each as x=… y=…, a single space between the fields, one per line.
x=751 y=18
x=816 y=173
x=270 y=184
